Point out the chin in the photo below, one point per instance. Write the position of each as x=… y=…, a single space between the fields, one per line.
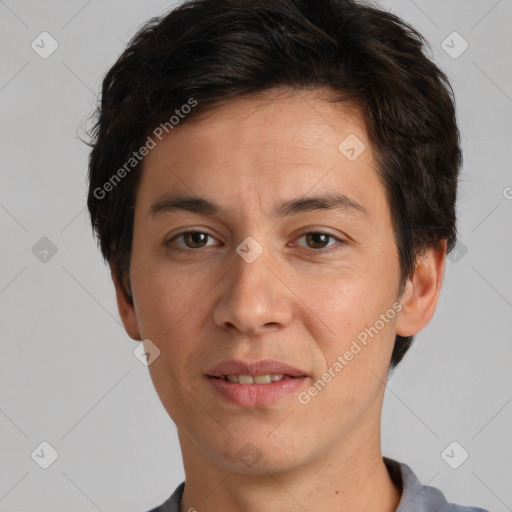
x=258 y=455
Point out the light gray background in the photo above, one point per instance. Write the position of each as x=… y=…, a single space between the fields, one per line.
x=68 y=375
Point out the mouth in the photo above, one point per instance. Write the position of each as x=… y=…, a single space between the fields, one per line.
x=255 y=383
x=260 y=371
x=249 y=394
x=266 y=378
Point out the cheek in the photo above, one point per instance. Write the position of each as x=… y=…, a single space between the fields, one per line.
x=167 y=294
x=345 y=301
x=351 y=314
x=356 y=346
x=171 y=307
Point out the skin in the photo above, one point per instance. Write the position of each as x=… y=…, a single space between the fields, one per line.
x=301 y=301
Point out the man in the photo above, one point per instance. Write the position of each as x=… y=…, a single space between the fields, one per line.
x=273 y=185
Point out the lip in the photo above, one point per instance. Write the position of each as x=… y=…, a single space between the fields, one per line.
x=252 y=368
x=255 y=395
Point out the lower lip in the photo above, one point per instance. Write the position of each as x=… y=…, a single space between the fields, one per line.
x=254 y=395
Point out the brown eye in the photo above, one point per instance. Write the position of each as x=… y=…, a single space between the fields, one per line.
x=195 y=239
x=192 y=239
x=319 y=240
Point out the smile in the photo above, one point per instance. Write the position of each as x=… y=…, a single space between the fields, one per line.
x=256 y=379
x=257 y=391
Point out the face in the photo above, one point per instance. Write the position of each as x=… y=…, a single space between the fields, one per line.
x=313 y=275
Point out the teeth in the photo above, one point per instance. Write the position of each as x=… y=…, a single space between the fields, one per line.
x=262 y=379
x=258 y=379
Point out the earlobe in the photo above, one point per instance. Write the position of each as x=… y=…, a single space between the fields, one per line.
x=126 y=309
x=420 y=298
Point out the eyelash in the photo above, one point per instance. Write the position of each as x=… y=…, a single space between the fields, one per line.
x=321 y=249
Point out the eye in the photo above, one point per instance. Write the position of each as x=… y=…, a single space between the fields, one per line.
x=192 y=239
x=318 y=239
x=199 y=239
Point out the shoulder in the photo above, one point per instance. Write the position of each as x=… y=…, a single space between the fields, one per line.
x=432 y=499
x=417 y=497
x=173 y=503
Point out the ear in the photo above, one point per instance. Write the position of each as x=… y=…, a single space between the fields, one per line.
x=421 y=294
x=126 y=309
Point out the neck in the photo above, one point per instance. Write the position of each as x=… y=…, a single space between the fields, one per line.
x=354 y=480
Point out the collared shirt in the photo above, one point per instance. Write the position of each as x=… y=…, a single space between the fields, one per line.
x=415 y=496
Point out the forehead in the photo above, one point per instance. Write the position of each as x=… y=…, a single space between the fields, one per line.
x=281 y=144
x=306 y=120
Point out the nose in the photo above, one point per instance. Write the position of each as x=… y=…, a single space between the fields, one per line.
x=254 y=297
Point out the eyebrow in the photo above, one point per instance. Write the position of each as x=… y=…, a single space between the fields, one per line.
x=203 y=206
